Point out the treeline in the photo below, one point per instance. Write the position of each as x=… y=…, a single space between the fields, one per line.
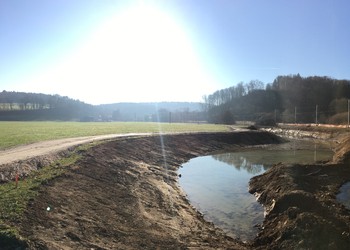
x=11 y=100
x=289 y=98
x=21 y=106
x=31 y=106
x=153 y=112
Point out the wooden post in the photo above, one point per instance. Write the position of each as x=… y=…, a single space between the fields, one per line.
x=276 y=116
x=16 y=179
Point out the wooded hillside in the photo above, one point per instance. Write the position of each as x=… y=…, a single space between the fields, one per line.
x=21 y=106
x=289 y=98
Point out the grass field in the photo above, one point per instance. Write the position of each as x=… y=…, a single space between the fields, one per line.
x=18 y=133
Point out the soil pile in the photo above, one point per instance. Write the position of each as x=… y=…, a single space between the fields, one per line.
x=301 y=207
x=123 y=194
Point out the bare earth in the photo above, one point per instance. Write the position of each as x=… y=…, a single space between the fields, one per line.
x=124 y=194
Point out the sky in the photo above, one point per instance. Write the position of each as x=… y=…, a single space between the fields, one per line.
x=109 y=51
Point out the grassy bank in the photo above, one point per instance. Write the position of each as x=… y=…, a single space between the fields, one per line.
x=18 y=133
x=14 y=200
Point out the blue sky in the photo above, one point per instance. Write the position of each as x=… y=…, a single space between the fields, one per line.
x=104 y=51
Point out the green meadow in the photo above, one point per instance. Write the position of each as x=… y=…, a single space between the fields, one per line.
x=19 y=133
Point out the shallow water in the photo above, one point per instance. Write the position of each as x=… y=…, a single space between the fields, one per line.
x=344 y=195
x=217 y=185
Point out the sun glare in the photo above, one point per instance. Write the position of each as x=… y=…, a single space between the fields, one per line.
x=139 y=54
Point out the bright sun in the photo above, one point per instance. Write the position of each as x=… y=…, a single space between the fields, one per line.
x=140 y=54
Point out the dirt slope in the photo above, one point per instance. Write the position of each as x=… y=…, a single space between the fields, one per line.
x=26 y=158
x=300 y=201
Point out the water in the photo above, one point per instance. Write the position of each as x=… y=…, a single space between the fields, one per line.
x=218 y=185
x=344 y=195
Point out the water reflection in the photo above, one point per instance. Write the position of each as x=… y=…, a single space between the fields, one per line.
x=218 y=185
x=255 y=161
x=219 y=191
x=241 y=162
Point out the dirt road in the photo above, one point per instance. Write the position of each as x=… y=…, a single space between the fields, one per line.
x=49 y=147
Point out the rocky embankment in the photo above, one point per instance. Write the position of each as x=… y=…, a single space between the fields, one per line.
x=299 y=133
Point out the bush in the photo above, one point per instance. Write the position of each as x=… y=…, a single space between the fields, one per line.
x=227 y=118
x=266 y=120
x=341 y=118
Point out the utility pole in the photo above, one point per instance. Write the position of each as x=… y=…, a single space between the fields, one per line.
x=276 y=116
x=316 y=113
x=348 y=112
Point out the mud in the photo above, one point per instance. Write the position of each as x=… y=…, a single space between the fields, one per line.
x=124 y=194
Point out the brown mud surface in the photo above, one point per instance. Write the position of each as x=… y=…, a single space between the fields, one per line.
x=124 y=194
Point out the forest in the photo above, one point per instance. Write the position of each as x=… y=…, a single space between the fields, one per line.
x=288 y=99
x=21 y=106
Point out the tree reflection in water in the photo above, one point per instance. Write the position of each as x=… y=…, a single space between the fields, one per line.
x=259 y=160
x=242 y=162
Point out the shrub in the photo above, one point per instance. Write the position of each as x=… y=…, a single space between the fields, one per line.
x=341 y=118
x=265 y=120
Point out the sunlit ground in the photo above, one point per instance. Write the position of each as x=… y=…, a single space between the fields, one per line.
x=17 y=133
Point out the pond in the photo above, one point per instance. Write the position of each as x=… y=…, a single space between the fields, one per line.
x=344 y=195
x=217 y=185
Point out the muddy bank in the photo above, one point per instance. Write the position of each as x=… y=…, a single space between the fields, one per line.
x=301 y=207
x=124 y=194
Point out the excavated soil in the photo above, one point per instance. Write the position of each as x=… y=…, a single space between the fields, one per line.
x=124 y=194
x=301 y=207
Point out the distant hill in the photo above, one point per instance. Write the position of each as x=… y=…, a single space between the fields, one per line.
x=140 y=111
x=21 y=106
x=146 y=107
